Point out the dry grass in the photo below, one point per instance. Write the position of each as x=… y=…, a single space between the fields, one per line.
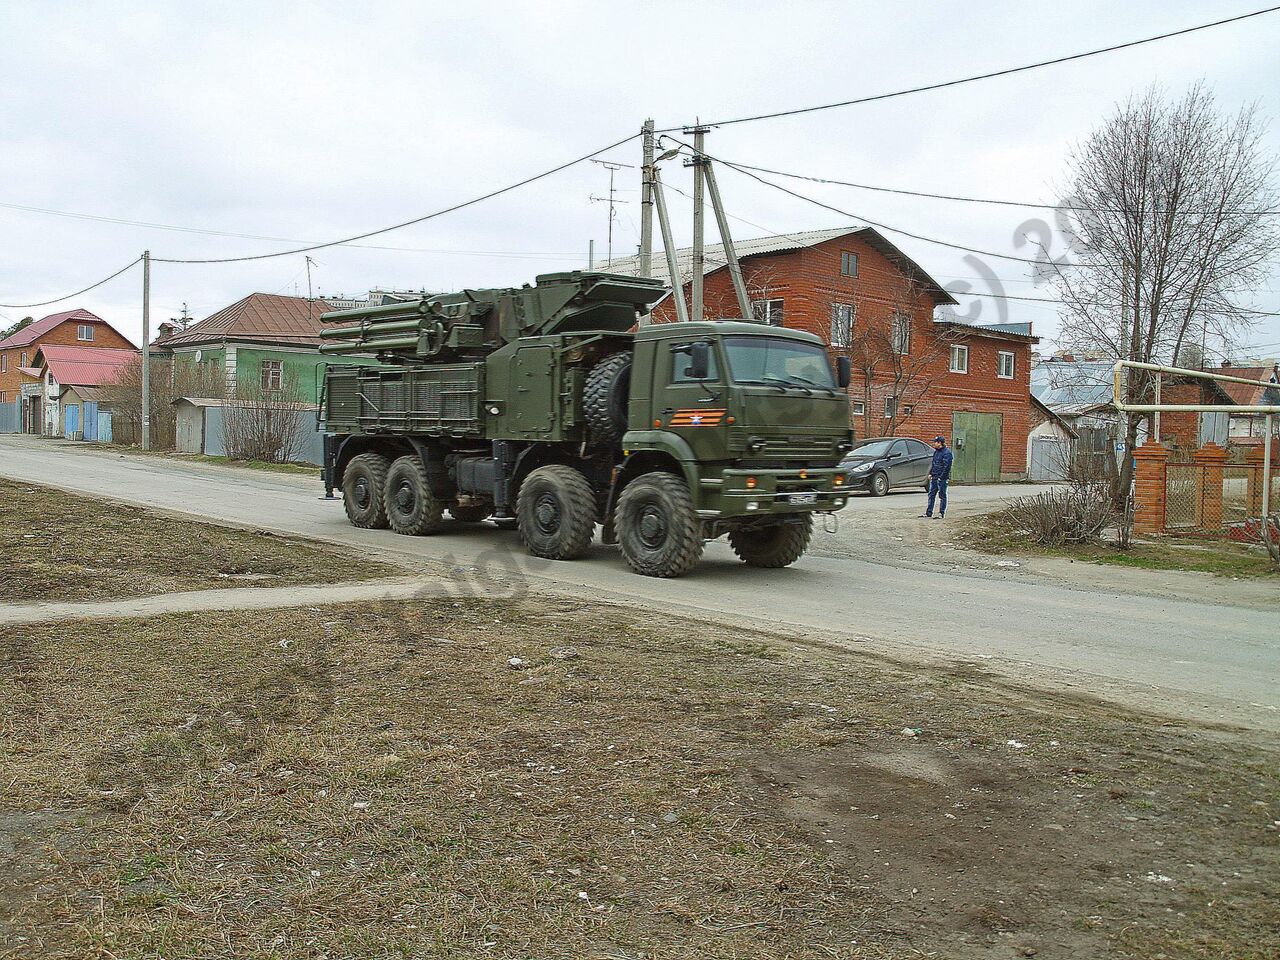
x=59 y=546
x=378 y=781
x=994 y=533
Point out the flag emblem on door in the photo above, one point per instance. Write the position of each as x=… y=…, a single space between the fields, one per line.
x=697 y=418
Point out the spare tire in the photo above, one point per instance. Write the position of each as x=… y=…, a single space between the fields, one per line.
x=605 y=398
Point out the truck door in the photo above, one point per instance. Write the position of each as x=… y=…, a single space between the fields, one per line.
x=694 y=410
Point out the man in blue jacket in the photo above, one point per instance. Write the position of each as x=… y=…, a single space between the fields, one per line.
x=939 y=476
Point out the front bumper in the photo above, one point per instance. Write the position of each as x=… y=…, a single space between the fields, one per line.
x=731 y=494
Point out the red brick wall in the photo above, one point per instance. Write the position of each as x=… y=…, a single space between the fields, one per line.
x=808 y=281
x=104 y=335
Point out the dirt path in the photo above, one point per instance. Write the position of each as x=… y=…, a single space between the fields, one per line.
x=241 y=598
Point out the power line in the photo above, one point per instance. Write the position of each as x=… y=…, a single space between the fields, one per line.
x=988 y=76
x=45 y=303
x=530 y=254
x=408 y=223
x=855 y=216
x=962 y=199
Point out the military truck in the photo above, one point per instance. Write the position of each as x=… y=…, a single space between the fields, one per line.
x=547 y=409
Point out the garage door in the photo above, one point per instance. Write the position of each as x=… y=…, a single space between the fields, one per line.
x=976 y=447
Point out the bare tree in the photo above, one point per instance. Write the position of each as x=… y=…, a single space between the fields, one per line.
x=170 y=380
x=893 y=359
x=1171 y=235
x=265 y=424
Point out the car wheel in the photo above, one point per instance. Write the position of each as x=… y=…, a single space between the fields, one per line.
x=879 y=485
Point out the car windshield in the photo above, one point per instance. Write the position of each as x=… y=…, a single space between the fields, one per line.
x=775 y=360
x=872 y=450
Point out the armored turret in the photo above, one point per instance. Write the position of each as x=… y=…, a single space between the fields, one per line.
x=473 y=323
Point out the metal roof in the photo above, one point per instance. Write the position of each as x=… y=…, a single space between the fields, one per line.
x=714 y=256
x=38 y=328
x=83 y=366
x=259 y=317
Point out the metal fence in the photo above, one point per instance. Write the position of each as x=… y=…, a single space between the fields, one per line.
x=11 y=417
x=1209 y=497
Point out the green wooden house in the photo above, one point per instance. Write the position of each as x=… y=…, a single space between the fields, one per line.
x=265 y=339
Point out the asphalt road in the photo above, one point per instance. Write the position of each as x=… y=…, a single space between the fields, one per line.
x=1201 y=660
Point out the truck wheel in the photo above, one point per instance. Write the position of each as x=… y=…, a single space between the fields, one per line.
x=556 y=512
x=470 y=513
x=363 y=482
x=605 y=396
x=658 y=530
x=412 y=509
x=777 y=545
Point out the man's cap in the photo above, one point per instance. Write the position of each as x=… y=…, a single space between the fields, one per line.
x=939 y=439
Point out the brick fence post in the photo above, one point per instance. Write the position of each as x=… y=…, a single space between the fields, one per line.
x=1253 y=482
x=1149 y=487
x=1209 y=460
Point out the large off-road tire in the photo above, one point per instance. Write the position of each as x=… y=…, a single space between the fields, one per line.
x=777 y=545
x=879 y=485
x=658 y=529
x=604 y=399
x=363 y=483
x=556 y=512
x=471 y=513
x=412 y=509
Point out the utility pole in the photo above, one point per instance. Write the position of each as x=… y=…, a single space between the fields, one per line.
x=646 y=204
x=311 y=303
x=146 y=349
x=664 y=223
x=731 y=255
x=591 y=254
x=697 y=162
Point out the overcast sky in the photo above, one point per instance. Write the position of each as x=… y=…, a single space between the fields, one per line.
x=312 y=121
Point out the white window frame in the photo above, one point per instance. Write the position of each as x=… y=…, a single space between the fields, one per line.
x=84 y=332
x=4 y=363
x=271 y=370
x=1013 y=364
x=961 y=352
x=890 y=407
x=900 y=332
x=22 y=359
x=764 y=311
x=908 y=409
x=857 y=408
x=839 y=313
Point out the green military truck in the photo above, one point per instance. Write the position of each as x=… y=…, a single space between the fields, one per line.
x=546 y=408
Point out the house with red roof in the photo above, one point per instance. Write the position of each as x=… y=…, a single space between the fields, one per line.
x=75 y=384
x=19 y=379
x=1247 y=429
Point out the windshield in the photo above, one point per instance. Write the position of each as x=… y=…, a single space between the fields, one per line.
x=775 y=360
x=873 y=450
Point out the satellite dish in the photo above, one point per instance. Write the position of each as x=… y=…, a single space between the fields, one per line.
x=199 y=355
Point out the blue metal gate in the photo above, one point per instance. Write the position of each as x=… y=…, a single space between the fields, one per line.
x=71 y=420
x=90 y=420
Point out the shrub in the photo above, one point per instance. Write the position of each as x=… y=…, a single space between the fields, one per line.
x=1075 y=514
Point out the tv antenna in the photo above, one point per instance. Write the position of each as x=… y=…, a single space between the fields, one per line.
x=613 y=167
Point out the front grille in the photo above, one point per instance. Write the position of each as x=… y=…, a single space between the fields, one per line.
x=782 y=447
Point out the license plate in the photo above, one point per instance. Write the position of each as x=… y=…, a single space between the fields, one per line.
x=802 y=498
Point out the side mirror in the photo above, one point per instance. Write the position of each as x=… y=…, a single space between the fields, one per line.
x=699 y=360
x=844 y=372
x=894 y=456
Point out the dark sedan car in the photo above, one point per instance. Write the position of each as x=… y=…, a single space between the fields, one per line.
x=883 y=463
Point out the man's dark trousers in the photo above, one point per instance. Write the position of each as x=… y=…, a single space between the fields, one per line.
x=937 y=491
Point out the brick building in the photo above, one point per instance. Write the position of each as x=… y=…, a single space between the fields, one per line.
x=19 y=382
x=913 y=374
